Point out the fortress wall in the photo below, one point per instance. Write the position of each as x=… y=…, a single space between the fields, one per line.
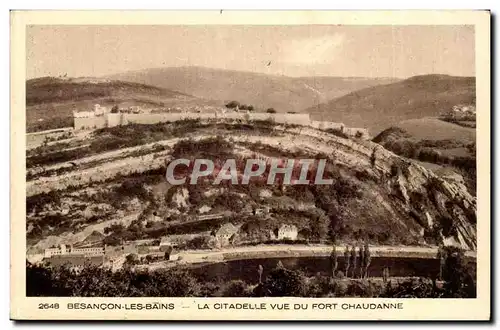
x=114 y=119
x=90 y=122
x=327 y=125
x=152 y=118
x=295 y=118
x=298 y=119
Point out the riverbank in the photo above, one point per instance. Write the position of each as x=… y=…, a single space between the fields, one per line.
x=293 y=251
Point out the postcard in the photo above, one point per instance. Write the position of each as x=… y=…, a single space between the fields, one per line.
x=250 y=165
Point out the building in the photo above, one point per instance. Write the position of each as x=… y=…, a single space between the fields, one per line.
x=466 y=112
x=63 y=249
x=288 y=232
x=225 y=235
x=114 y=262
x=53 y=251
x=464 y=108
x=262 y=210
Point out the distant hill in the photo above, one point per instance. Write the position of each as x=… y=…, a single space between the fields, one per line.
x=260 y=90
x=379 y=107
x=50 y=101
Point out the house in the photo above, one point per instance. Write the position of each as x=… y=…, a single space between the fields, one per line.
x=58 y=250
x=114 y=258
x=225 y=234
x=287 y=232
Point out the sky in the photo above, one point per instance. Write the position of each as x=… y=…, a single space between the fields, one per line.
x=303 y=50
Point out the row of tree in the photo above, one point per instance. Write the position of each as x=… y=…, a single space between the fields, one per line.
x=354 y=259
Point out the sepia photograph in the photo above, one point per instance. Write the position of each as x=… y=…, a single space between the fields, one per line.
x=254 y=161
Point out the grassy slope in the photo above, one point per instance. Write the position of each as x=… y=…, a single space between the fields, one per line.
x=261 y=90
x=436 y=129
x=53 y=100
x=382 y=106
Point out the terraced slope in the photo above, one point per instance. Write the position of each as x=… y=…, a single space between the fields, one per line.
x=376 y=195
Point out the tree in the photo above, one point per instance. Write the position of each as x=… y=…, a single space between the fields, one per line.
x=334 y=260
x=368 y=259
x=236 y=288
x=250 y=108
x=198 y=242
x=243 y=107
x=114 y=109
x=111 y=240
x=459 y=282
x=260 y=271
x=92 y=281
x=271 y=110
x=131 y=259
x=233 y=104
x=347 y=260
x=319 y=227
x=282 y=282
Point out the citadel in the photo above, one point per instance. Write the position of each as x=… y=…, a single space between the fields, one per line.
x=101 y=117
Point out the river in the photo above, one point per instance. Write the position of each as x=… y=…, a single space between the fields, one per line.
x=247 y=269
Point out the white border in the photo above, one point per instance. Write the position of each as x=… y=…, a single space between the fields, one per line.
x=199 y=4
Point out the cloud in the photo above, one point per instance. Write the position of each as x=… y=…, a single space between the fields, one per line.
x=319 y=50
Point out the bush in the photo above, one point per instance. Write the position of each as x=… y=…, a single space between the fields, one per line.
x=198 y=243
x=271 y=110
x=237 y=288
x=232 y=104
x=320 y=286
x=337 y=132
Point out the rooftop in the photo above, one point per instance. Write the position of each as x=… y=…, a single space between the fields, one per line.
x=74 y=260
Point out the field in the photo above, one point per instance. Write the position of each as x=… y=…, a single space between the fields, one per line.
x=435 y=129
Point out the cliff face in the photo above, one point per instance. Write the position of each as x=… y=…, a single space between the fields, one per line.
x=441 y=207
x=376 y=193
